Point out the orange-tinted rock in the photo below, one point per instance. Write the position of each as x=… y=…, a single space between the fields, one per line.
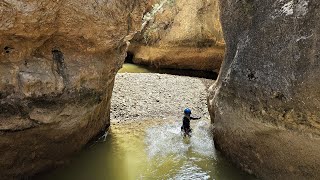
x=207 y=59
x=188 y=32
x=58 y=60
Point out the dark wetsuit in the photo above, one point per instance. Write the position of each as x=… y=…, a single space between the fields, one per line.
x=186 y=123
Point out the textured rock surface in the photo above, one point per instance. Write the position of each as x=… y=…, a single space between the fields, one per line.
x=266 y=102
x=58 y=60
x=181 y=34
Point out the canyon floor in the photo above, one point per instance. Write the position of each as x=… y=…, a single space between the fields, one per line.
x=142 y=96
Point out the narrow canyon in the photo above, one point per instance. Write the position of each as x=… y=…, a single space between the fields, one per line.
x=59 y=60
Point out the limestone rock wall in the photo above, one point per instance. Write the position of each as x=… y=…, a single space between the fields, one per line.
x=266 y=102
x=181 y=34
x=58 y=60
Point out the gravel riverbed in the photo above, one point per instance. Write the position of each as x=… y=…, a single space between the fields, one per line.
x=145 y=96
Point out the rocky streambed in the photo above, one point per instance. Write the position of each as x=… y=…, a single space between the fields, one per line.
x=157 y=96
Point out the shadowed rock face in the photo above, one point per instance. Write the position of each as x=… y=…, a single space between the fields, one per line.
x=266 y=102
x=58 y=60
x=181 y=34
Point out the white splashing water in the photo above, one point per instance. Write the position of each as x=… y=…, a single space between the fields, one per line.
x=190 y=171
x=202 y=141
x=167 y=140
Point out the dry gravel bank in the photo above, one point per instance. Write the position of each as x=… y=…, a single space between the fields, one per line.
x=141 y=96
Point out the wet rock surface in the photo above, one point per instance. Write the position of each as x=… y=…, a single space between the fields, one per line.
x=181 y=34
x=265 y=104
x=157 y=96
x=58 y=60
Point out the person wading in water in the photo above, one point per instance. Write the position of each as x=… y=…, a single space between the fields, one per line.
x=186 y=122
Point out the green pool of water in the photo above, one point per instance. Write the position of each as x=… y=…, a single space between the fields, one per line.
x=135 y=68
x=150 y=150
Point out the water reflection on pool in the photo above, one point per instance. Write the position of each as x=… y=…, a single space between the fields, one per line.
x=150 y=150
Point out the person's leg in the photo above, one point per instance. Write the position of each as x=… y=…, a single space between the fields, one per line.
x=187 y=131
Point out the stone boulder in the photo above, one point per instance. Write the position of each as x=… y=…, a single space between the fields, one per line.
x=58 y=60
x=182 y=35
x=265 y=104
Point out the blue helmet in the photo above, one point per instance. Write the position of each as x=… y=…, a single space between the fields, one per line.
x=187 y=111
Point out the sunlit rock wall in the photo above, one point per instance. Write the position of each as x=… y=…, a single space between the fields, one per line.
x=58 y=60
x=182 y=35
x=266 y=103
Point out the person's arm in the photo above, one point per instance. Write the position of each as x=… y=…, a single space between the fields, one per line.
x=195 y=118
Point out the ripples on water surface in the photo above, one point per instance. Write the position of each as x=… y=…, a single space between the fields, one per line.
x=150 y=150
